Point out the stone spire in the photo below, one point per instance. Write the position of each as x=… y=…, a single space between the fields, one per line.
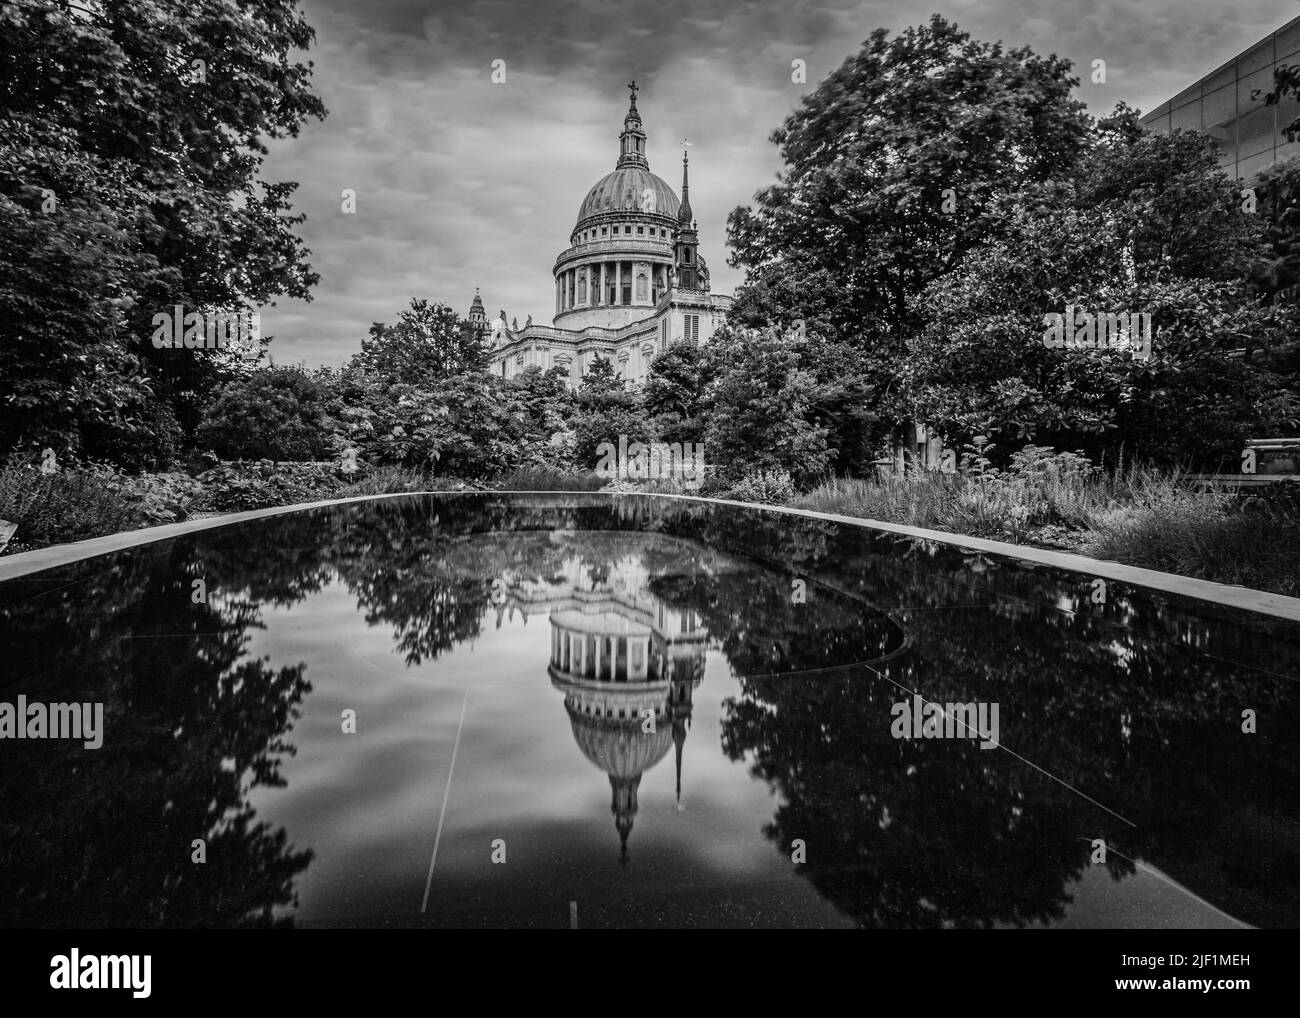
x=684 y=214
x=686 y=242
x=631 y=143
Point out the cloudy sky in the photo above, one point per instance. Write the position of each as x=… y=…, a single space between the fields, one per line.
x=462 y=182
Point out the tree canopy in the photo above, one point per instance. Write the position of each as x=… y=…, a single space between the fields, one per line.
x=131 y=142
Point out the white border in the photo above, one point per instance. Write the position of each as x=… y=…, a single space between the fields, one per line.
x=1232 y=596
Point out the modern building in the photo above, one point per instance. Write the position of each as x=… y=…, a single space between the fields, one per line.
x=630 y=283
x=1231 y=105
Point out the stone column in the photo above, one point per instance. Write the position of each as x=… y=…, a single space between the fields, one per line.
x=618 y=282
x=638 y=659
x=599 y=641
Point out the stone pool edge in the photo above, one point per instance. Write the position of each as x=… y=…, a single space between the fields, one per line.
x=1245 y=598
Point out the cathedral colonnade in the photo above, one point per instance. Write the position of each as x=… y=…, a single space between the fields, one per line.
x=618 y=283
x=599 y=656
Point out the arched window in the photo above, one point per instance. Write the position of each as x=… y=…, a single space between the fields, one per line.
x=582 y=287
x=642 y=286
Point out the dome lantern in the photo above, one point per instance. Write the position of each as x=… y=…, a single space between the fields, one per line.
x=631 y=143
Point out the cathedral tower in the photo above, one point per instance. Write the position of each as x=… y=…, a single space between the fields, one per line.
x=478 y=316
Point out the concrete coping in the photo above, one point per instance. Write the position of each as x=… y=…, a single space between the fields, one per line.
x=1232 y=596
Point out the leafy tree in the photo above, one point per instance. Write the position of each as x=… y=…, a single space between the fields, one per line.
x=544 y=397
x=1152 y=226
x=601 y=379
x=66 y=364
x=857 y=223
x=428 y=343
x=279 y=413
x=761 y=409
x=606 y=410
x=675 y=392
x=1278 y=195
x=152 y=164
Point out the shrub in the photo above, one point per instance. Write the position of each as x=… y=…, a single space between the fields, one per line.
x=240 y=486
x=154 y=442
x=386 y=480
x=542 y=478
x=770 y=486
x=71 y=505
x=278 y=413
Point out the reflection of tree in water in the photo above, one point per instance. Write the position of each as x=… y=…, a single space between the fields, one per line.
x=1138 y=716
x=1128 y=703
x=1136 y=704
x=94 y=838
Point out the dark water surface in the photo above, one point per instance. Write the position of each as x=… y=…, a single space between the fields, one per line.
x=617 y=712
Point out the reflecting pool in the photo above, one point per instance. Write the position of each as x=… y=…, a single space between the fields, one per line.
x=576 y=710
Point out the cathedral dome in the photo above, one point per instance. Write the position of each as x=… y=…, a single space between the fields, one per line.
x=622 y=190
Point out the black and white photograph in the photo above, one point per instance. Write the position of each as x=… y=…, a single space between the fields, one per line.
x=718 y=465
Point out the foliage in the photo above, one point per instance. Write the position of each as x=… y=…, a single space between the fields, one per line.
x=544 y=397
x=675 y=393
x=129 y=185
x=539 y=478
x=1140 y=515
x=428 y=343
x=1205 y=536
x=84 y=500
x=70 y=505
x=770 y=486
x=279 y=413
x=468 y=426
x=606 y=410
x=262 y=484
x=761 y=410
x=857 y=223
x=1278 y=190
x=1151 y=226
x=386 y=480
x=159 y=498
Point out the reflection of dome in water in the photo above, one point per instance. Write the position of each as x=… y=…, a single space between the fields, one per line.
x=620 y=748
x=620 y=655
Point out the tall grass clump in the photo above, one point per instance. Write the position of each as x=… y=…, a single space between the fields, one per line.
x=1039 y=489
x=1134 y=514
x=1252 y=542
x=544 y=478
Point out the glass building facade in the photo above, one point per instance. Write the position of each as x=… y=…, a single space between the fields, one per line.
x=1249 y=132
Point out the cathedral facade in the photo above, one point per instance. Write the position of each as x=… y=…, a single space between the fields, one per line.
x=630 y=283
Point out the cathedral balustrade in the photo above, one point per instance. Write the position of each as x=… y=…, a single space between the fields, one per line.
x=605 y=250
